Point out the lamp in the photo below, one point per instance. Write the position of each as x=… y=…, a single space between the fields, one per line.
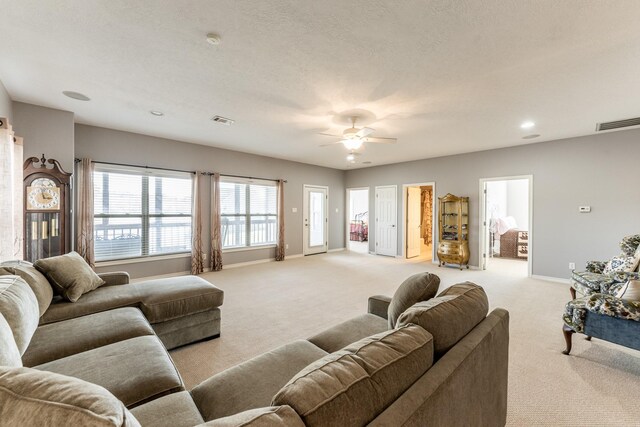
x=352 y=144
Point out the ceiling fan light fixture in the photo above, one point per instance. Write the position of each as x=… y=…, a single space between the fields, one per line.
x=352 y=144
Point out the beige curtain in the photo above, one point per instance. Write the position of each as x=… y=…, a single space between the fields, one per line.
x=216 y=236
x=280 y=246
x=11 y=193
x=84 y=221
x=197 y=258
x=427 y=215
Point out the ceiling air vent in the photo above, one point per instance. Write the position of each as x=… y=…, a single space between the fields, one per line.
x=618 y=124
x=222 y=120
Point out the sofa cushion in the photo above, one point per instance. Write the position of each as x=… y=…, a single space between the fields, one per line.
x=69 y=274
x=19 y=307
x=102 y=299
x=175 y=410
x=352 y=386
x=274 y=416
x=36 y=280
x=450 y=316
x=34 y=398
x=136 y=371
x=345 y=333
x=419 y=287
x=62 y=339
x=9 y=354
x=170 y=298
x=253 y=383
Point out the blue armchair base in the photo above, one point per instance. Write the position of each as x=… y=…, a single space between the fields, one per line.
x=618 y=331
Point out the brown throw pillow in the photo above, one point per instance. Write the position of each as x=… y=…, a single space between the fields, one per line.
x=29 y=397
x=9 y=354
x=450 y=316
x=419 y=287
x=70 y=275
x=19 y=307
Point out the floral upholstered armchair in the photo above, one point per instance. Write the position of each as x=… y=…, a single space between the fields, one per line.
x=608 y=277
x=611 y=318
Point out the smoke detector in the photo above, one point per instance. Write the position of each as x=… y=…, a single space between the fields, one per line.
x=213 y=39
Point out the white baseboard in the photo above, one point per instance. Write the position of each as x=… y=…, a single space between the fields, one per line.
x=551 y=279
x=244 y=264
x=293 y=256
x=337 y=250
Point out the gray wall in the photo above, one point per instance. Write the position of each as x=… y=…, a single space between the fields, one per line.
x=108 y=145
x=45 y=131
x=597 y=170
x=6 y=109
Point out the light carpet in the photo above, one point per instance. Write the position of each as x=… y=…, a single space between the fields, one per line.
x=267 y=305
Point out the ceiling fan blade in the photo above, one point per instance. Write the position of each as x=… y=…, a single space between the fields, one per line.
x=364 y=132
x=382 y=140
x=330 y=144
x=329 y=134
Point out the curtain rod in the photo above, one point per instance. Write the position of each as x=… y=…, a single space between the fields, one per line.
x=177 y=170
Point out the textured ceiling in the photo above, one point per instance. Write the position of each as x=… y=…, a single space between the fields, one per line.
x=444 y=77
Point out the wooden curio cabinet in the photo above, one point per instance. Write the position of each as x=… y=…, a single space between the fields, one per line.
x=453 y=227
x=47 y=213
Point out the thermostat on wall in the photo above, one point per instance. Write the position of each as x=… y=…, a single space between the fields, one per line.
x=584 y=209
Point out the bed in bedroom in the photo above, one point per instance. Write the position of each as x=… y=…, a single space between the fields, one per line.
x=509 y=241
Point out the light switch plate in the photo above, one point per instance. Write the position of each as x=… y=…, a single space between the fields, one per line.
x=584 y=209
x=294 y=210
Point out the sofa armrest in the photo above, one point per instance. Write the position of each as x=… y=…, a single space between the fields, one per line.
x=378 y=305
x=115 y=278
x=596 y=266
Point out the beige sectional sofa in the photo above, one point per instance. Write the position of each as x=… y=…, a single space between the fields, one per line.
x=414 y=359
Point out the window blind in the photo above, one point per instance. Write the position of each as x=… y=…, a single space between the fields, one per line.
x=141 y=212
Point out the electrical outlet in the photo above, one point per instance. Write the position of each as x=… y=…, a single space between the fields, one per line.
x=572 y=266
x=286 y=246
x=204 y=256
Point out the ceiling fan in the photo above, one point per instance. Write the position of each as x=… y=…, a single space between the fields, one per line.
x=353 y=138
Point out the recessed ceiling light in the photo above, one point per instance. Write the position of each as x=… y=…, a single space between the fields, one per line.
x=527 y=125
x=535 y=135
x=76 y=95
x=157 y=113
x=213 y=39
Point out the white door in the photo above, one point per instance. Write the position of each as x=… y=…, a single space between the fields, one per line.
x=316 y=221
x=414 y=206
x=386 y=221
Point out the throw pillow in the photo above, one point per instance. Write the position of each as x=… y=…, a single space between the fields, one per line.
x=419 y=287
x=630 y=291
x=9 y=353
x=19 y=307
x=619 y=264
x=70 y=275
x=30 y=397
x=450 y=316
x=36 y=280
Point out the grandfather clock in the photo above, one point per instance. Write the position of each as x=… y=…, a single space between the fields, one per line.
x=47 y=227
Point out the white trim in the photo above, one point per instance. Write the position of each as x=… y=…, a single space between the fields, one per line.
x=482 y=219
x=305 y=208
x=337 y=250
x=551 y=279
x=347 y=205
x=433 y=220
x=293 y=256
x=247 y=248
x=142 y=259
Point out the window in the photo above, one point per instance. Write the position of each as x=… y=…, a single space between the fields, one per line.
x=249 y=213
x=140 y=212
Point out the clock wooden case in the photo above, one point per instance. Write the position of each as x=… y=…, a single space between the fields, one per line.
x=47 y=213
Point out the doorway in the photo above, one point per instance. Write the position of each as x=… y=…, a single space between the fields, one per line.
x=386 y=220
x=316 y=221
x=506 y=210
x=419 y=209
x=358 y=220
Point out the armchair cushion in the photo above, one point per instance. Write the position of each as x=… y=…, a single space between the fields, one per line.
x=596 y=266
x=69 y=274
x=603 y=304
x=586 y=282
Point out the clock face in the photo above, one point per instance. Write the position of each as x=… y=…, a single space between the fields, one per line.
x=43 y=194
